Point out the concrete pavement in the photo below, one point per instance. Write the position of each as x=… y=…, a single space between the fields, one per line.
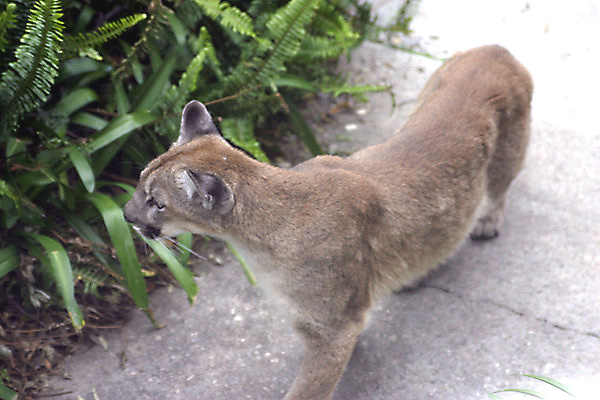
x=528 y=301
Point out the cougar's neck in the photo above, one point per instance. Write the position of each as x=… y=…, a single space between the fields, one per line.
x=269 y=203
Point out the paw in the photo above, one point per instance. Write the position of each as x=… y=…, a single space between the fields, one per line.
x=487 y=227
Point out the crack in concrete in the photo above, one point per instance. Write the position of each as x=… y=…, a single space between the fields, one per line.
x=513 y=311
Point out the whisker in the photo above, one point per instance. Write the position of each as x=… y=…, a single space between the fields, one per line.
x=183 y=247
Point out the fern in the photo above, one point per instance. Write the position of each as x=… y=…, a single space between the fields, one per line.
x=205 y=42
x=230 y=16
x=240 y=131
x=14 y=206
x=177 y=96
x=84 y=44
x=318 y=47
x=91 y=278
x=159 y=14
x=7 y=21
x=29 y=78
x=287 y=27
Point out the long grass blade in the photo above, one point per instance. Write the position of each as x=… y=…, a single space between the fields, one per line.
x=120 y=236
x=245 y=268
x=74 y=100
x=118 y=128
x=9 y=260
x=183 y=275
x=88 y=233
x=552 y=382
x=150 y=91
x=89 y=121
x=63 y=276
x=303 y=130
x=83 y=168
x=528 y=392
x=184 y=244
x=185 y=247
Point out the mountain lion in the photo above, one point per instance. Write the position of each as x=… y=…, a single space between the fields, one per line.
x=331 y=234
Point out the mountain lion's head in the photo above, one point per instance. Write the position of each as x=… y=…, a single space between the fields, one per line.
x=186 y=188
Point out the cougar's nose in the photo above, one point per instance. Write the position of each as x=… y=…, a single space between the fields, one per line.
x=127 y=214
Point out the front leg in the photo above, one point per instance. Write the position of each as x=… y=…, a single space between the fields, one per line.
x=328 y=350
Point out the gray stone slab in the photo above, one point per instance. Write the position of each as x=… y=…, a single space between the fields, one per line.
x=528 y=301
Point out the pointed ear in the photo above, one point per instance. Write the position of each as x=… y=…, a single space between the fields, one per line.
x=195 y=122
x=212 y=192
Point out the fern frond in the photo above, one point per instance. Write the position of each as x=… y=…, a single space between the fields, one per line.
x=82 y=42
x=240 y=131
x=230 y=16
x=92 y=278
x=7 y=21
x=177 y=95
x=157 y=20
x=287 y=28
x=318 y=47
x=29 y=78
x=358 y=91
x=14 y=206
x=329 y=20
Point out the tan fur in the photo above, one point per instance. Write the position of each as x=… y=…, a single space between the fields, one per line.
x=331 y=234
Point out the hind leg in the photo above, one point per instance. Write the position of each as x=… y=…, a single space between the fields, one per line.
x=488 y=226
x=507 y=161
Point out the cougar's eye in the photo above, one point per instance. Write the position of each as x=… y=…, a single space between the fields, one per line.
x=152 y=203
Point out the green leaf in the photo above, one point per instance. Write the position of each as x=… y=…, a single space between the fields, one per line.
x=183 y=275
x=89 y=121
x=121 y=98
x=552 y=382
x=240 y=132
x=83 y=167
x=294 y=81
x=15 y=146
x=303 y=130
x=84 y=42
x=287 y=27
x=74 y=100
x=7 y=393
x=528 y=392
x=9 y=260
x=245 y=268
x=88 y=233
x=178 y=28
x=119 y=127
x=26 y=84
x=356 y=90
x=7 y=21
x=8 y=192
x=185 y=239
x=120 y=236
x=63 y=276
x=73 y=68
x=150 y=92
x=230 y=16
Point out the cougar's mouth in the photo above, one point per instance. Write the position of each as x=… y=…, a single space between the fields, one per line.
x=150 y=232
